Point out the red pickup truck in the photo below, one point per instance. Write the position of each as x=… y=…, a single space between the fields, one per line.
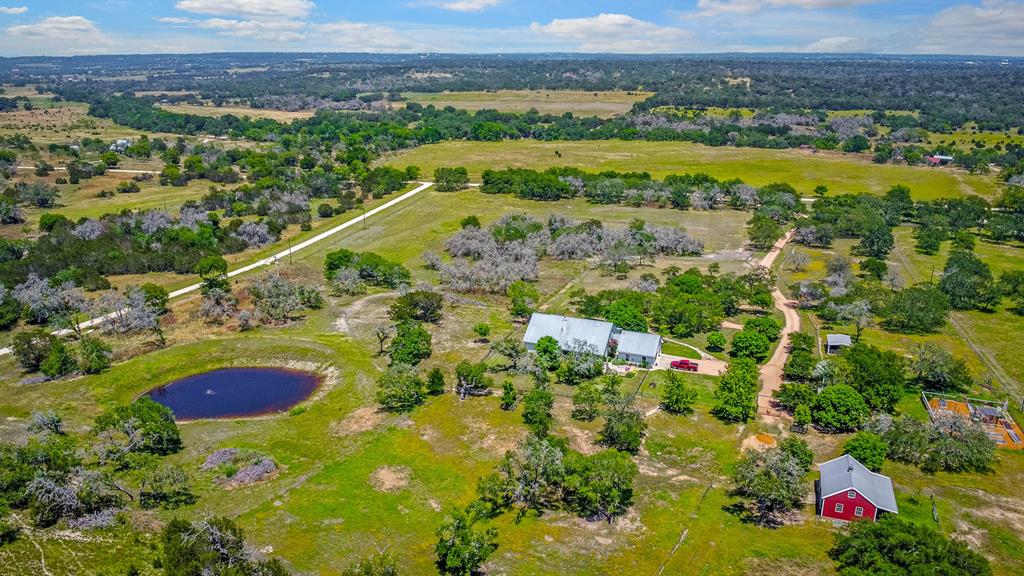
x=688 y=365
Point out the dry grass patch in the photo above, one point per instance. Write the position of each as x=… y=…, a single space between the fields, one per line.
x=390 y=478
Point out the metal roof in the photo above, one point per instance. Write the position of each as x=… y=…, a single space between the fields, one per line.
x=639 y=343
x=567 y=330
x=839 y=340
x=845 y=473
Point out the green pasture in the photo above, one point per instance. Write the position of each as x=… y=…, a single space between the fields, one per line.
x=842 y=173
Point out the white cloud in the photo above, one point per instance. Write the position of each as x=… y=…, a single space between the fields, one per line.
x=361 y=37
x=57 y=35
x=13 y=9
x=469 y=5
x=718 y=7
x=57 y=27
x=174 y=20
x=273 y=30
x=615 y=33
x=839 y=44
x=249 y=8
x=995 y=27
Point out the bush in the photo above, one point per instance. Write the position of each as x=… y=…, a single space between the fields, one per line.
x=840 y=408
x=411 y=344
x=748 y=344
x=736 y=394
x=418 y=305
x=32 y=348
x=716 y=341
x=586 y=402
x=895 y=546
x=324 y=210
x=867 y=448
x=766 y=325
x=167 y=487
x=399 y=389
x=155 y=431
x=451 y=179
x=94 y=355
x=537 y=404
x=60 y=361
x=624 y=427
x=677 y=397
x=435 y=382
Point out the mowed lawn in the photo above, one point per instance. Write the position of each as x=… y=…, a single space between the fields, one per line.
x=842 y=173
x=581 y=103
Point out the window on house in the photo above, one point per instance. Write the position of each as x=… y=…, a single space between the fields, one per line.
x=858 y=511
x=839 y=508
x=851 y=494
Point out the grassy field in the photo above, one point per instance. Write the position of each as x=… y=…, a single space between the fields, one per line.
x=979 y=337
x=966 y=137
x=580 y=103
x=842 y=173
x=326 y=507
x=279 y=115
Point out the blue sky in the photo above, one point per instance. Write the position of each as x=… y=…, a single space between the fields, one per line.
x=985 y=27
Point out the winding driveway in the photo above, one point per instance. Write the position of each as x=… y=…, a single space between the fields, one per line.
x=92 y=322
x=771 y=371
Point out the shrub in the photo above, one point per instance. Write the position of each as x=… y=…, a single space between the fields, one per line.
x=399 y=389
x=748 y=344
x=867 y=448
x=324 y=210
x=840 y=408
x=411 y=344
x=895 y=546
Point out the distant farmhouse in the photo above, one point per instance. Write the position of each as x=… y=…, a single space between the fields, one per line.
x=598 y=336
x=848 y=491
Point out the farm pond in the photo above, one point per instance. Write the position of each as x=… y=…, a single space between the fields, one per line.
x=235 y=392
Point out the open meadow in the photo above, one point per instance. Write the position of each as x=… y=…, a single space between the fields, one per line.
x=352 y=478
x=842 y=173
x=240 y=111
x=603 y=104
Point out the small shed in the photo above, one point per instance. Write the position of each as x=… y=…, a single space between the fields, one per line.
x=638 y=347
x=847 y=490
x=834 y=343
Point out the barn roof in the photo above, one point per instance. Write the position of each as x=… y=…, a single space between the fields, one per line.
x=567 y=330
x=639 y=343
x=845 y=473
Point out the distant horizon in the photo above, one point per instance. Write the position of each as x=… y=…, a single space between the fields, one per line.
x=567 y=55
x=885 y=27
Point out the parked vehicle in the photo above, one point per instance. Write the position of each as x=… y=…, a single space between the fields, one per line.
x=687 y=365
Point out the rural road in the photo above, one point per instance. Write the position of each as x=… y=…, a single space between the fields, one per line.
x=270 y=259
x=771 y=371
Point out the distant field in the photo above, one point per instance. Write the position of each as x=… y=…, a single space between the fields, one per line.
x=965 y=138
x=580 y=103
x=842 y=173
x=279 y=115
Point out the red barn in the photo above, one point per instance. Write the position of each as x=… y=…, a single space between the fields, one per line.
x=848 y=491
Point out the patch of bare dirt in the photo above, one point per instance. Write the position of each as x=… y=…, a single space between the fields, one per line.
x=580 y=440
x=390 y=478
x=358 y=421
x=969 y=534
x=758 y=441
x=1002 y=510
x=483 y=437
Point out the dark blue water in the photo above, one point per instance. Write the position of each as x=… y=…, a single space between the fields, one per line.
x=234 y=392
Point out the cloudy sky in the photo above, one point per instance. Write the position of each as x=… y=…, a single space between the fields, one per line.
x=61 y=27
